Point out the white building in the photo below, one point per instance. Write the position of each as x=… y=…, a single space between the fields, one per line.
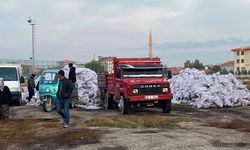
x=241 y=59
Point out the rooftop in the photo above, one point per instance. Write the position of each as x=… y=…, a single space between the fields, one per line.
x=247 y=48
x=227 y=64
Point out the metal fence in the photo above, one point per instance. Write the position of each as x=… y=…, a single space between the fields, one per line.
x=40 y=64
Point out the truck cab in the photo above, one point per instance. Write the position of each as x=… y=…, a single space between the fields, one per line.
x=11 y=74
x=137 y=82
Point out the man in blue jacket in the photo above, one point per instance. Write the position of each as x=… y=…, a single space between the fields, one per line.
x=64 y=92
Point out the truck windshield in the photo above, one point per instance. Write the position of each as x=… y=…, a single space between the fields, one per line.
x=8 y=74
x=142 y=73
x=49 y=78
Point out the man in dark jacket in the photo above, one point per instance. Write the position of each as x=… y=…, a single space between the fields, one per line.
x=31 y=86
x=64 y=92
x=72 y=73
x=5 y=99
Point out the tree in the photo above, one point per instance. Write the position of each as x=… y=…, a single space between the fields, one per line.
x=216 y=68
x=196 y=64
x=231 y=71
x=224 y=71
x=93 y=65
x=187 y=64
x=248 y=71
x=26 y=70
x=244 y=71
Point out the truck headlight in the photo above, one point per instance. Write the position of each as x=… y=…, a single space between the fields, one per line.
x=165 y=90
x=135 y=91
x=47 y=90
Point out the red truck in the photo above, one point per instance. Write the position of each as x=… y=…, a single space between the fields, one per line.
x=135 y=82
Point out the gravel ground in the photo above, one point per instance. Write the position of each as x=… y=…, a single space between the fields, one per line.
x=210 y=132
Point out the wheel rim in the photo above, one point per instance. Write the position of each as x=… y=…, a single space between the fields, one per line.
x=121 y=104
x=48 y=104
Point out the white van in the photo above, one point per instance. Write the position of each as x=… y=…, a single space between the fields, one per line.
x=11 y=74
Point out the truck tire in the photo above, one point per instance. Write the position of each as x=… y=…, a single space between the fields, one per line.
x=48 y=104
x=108 y=101
x=123 y=105
x=166 y=106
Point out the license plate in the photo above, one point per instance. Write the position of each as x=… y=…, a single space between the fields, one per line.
x=151 y=97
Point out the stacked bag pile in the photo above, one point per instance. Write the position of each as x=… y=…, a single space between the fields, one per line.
x=35 y=100
x=196 y=88
x=87 y=87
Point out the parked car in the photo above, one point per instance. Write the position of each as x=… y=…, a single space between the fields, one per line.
x=12 y=76
x=48 y=87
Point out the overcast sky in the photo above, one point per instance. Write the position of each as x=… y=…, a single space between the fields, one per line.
x=78 y=29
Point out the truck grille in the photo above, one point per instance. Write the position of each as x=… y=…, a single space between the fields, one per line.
x=150 y=89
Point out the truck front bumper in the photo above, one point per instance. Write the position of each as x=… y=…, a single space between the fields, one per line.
x=16 y=97
x=154 y=97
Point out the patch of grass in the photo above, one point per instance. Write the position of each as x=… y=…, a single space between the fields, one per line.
x=46 y=132
x=20 y=130
x=79 y=135
x=132 y=121
x=233 y=124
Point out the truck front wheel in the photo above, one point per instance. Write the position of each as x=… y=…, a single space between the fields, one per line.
x=166 y=106
x=123 y=105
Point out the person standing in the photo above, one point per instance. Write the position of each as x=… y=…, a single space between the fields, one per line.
x=72 y=78
x=72 y=73
x=31 y=86
x=63 y=95
x=5 y=99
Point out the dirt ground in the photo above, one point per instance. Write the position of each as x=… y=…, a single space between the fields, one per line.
x=185 y=128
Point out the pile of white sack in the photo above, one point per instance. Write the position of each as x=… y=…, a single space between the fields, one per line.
x=35 y=101
x=196 y=88
x=87 y=88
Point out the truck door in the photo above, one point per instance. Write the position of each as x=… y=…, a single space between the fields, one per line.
x=118 y=84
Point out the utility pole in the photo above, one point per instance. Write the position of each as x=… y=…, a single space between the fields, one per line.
x=32 y=23
x=150 y=46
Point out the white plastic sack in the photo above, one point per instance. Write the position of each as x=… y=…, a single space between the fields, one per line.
x=87 y=87
x=196 y=88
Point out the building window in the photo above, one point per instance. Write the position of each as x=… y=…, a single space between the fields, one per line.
x=238 y=68
x=242 y=61
x=242 y=52
x=238 y=53
x=238 y=61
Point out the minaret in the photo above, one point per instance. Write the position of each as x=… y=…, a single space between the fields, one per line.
x=150 y=45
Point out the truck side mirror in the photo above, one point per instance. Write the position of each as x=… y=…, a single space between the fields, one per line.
x=118 y=73
x=22 y=80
